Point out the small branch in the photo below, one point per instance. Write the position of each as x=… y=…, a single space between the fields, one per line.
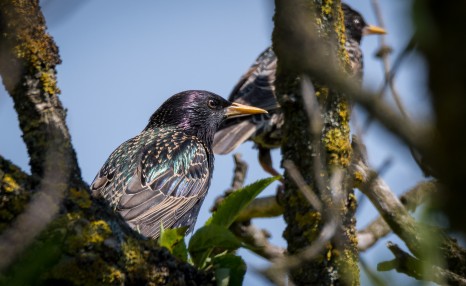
x=258 y=239
x=410 y=200
x=413 y=267
x=241 y=168
x=384 y=52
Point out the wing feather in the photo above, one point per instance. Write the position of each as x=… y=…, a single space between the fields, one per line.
x=256 y=87
x=160 y=183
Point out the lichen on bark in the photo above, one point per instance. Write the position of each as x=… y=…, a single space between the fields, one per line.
x=306 y=34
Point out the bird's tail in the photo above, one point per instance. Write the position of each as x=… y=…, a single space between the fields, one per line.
x=230 y=137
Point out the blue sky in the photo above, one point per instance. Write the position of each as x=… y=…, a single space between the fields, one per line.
x=122 y=59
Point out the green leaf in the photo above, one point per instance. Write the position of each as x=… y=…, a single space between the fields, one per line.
x=173 y=240
x=229 y=270
x=208 y=237
x=232 y=205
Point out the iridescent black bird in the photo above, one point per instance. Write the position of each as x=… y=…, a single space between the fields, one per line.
x=161 y=176
x=256 y=88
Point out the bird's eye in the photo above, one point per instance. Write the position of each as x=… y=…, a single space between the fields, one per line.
x=357 y=22
x=212 y=104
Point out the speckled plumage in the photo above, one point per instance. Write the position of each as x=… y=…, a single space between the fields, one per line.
x=257 y=87
x=162 y=175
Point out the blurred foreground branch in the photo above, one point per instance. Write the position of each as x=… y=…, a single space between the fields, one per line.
x=413 y=267
x=419 y=239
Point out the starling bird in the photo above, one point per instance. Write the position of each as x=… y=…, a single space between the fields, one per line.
x=256 y=88
x=161 y=176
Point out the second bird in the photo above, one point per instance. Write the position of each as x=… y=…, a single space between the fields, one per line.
x=256 y=88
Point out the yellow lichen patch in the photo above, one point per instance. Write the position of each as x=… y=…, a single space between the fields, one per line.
x=329 y=251
x=113 y=275
x=339 y=28
x=80 y=197
x=338 y=147
x=344 y=112
x=92 y=234
x=310 y=222
x=49 y=82
x=97 y=231
x=327 y=8
x=358 y=178
x=352 y=201
x=132 y=256
x=9 y=184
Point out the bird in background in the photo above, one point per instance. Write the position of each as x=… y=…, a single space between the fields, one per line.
x=256 y=87
x=161 y=176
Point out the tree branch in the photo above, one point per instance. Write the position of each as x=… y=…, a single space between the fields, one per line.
x=413 y=267
x=418 y=238
x=378 y=228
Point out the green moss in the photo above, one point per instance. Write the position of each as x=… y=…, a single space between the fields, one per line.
x=310 y=223
x=76 y=272
x=81 y=197
x=349 y=267
x=132 y=257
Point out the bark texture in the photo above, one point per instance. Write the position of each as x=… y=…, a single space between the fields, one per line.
x=306 y=35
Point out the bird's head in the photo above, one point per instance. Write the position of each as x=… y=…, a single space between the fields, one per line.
x=198 y=112
x=356 y=26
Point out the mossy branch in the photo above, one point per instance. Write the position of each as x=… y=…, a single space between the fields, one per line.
x=52 y=233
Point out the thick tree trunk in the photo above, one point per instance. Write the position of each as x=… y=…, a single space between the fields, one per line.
x=307 y=34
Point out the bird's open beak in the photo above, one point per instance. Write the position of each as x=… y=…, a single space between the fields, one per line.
x=373 y=30
x=237 y=109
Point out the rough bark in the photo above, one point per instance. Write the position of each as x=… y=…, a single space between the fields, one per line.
x=300 y=29
x=51 y=231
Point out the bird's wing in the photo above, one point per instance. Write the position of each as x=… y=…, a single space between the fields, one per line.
x=256 y=88
x=165 y=186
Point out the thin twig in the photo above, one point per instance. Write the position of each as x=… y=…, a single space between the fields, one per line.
x=294 y=174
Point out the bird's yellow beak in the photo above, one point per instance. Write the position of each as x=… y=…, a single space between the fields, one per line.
x=373 y=30
x=237 y=109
